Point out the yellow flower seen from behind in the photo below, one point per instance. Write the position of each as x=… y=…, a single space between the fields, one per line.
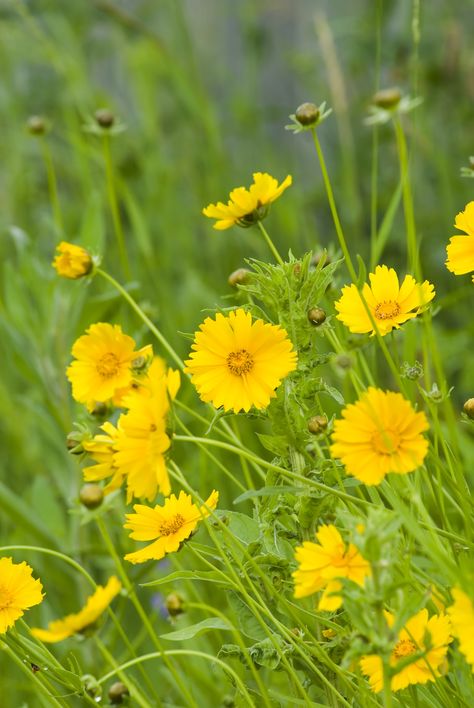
x=166 y=526
x=460 y=249
x=378 y=434
x=247 y=206
x=78 y=623
x=72 y=261
x=421 y=635
x=461 y=614
x=237 y=363
x=18 y=592
x=389 y=303
x=322 y=564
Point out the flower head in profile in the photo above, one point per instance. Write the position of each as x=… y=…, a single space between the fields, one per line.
x=103 y=365
x=81 y=621
x=102 y=450
x=247 y=206
x=460 y=249
x=461 y=614
x=322 y=564
x=237 y=363
x=428 y=638
x=378 y=434
x=389 y=303
x=18 y=592
x=166 y=526
x=72 y=261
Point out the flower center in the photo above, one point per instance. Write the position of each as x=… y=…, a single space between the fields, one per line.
x=6 y=598
x=108 y=365
x=387 y=309
x=240 y=362
x=172 y=525
x=385 y=442
x=405 y=647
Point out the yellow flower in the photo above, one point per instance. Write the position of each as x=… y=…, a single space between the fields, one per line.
x=322 y=564
x=18 y=592
x=238 y=364
x=72 y=261
x=460 y=249
x=170 y=525
x=77 y=623
x=246 y=206
x=420 y=634
x=461 y=614
x=389 y=303
x=378 y=434
x=104 y=358
x=102 y=450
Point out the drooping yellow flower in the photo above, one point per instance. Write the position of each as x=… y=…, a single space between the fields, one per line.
x=237 y=363
x=247 y=206
x=167 y=526
x=103 y=363
x=420 y=634
x=18 y=592
x=322 y=564
x=72 y=261
x=378 y=434
x=460 y=249
x=77 y=623
x=389 y=303
x=461 y=614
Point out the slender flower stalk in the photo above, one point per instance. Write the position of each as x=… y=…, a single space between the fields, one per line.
x=52 y=184
x=113 y=203
x=270 y=243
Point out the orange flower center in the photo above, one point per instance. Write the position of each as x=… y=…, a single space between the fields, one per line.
x=405 y=647
x=385 y=442
x=387 y=309
x=108 y=365
x=240 y=362
x=172 y=525
x=6 y=598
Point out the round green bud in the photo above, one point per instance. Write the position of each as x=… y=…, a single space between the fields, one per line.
x=307 y=114
x=174 y=604
x=317 y=424
x=238 y=277
x=104 y=118
x=316 y=316
x=36 y=125
x=387 y=98
x=118 y=692
x=469 y=408
x=91 y=496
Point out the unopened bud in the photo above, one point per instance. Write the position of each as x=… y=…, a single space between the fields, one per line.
x=471 y=162
x=118 y=692
x=469 y=408
x=74 y=446
x=343 y=361
x=91 y=496
x=36 y=125
x=139 y=363
x=316 y=316
x=307 y=114
x=387 y=98
x=328 y=633
x=174 y=604
x=104 y=118
x=99 y=409
x=238 y=277
x=317 y=424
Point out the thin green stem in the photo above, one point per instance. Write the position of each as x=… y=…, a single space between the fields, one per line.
x=135 y=692
x=113 y=203
x=52 y=184
x=270 y=243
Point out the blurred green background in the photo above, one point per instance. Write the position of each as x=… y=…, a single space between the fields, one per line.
x=204 y=89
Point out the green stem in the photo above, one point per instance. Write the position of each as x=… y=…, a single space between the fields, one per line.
x=135 y=693
x=412 y=249
x=52 y=184
x=113 y=203
x=270 y=243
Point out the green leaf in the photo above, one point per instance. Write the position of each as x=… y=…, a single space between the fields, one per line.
x=241 y=526
x=276 y=444
x=248 y=623
x=195 y=630
x=209 y=576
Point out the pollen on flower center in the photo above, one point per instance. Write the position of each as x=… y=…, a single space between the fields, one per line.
x=172 y=525
x=385 y=442
x=240 y=362
x=405 y=647
x=108 y=365
x=387 y=309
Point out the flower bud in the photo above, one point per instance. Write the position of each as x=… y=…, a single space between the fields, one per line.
x=387 y=98
x=174 y=603
x=91 y=496
x=72 y=261
x=307 y=114
x=118 y=692
x=104 y=117
x=317 y=424
x=328 y=633
x=36 y=125
x=316 y=316
x=469 y=408
x=238 y=277
x=471 y=162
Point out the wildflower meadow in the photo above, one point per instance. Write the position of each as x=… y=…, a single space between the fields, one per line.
x=237 y=391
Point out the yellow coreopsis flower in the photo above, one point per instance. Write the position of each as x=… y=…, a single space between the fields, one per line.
x=167 y=526
x=429 y=637
x=18 y=592
x=322 y=564
x=461 y=614
x=237 y=363
x=378 y=434
x=78 y=623
x=72 y=261
x=460 y=249
x=103 y=363
x=247 y=206
x=389 y=303
x=102 y=450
